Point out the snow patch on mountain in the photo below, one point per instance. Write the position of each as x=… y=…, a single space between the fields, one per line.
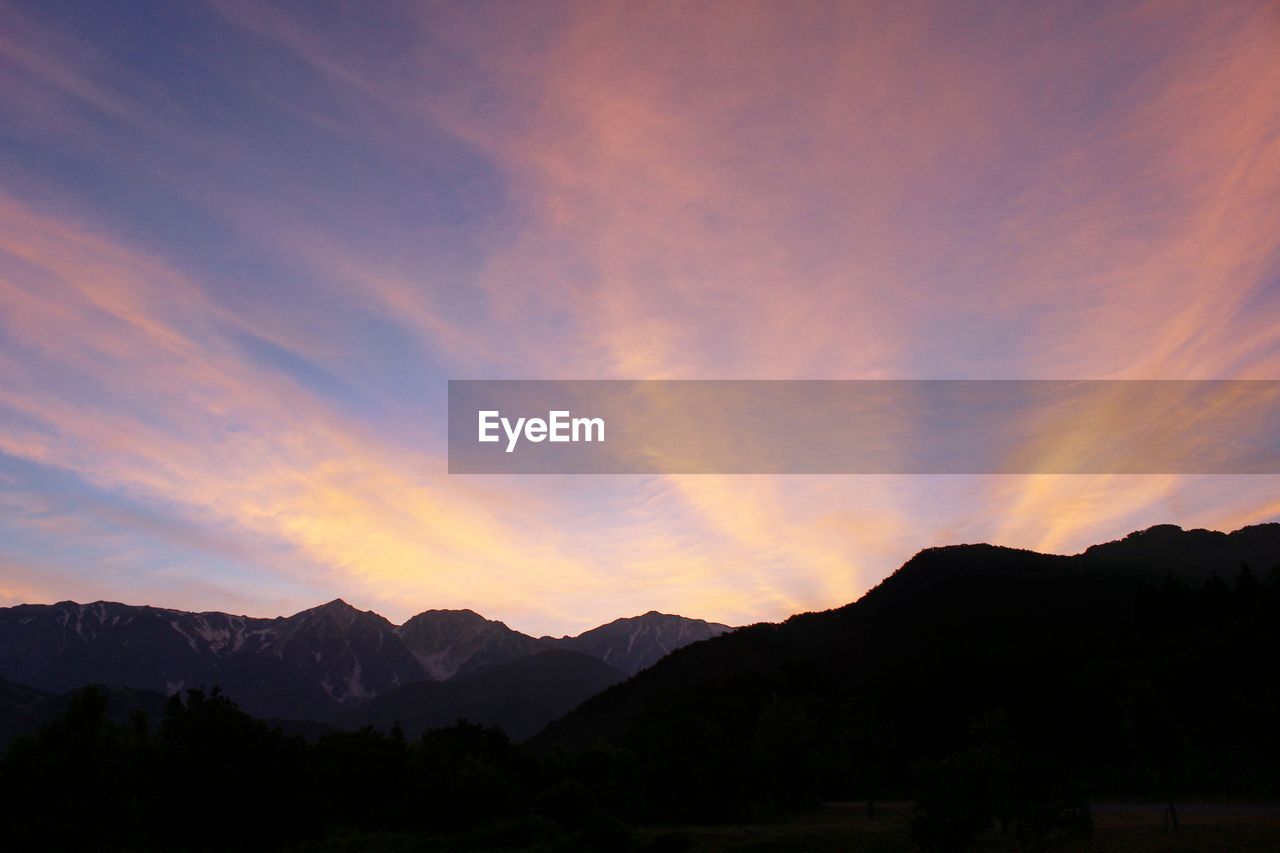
x=333 y=655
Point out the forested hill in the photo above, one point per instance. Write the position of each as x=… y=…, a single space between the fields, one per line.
x=1144 y=666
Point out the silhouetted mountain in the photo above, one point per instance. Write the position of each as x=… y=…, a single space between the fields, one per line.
x=305 y=665
x=640 y=641
x=17 y=701
x=1154 y=652
x=24 y=709
x=1192 y=554
x=450 y=642
x=308 y=666
x=61 y=646
x=352 y=654
x=519 y=696
x=988 y=685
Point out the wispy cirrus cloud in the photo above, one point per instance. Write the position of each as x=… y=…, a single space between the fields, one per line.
x=169 y=408
x=236 y=290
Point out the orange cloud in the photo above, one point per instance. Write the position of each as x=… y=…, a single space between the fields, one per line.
x=701 y=190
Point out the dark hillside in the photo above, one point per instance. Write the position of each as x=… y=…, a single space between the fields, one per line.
x=1109 y=673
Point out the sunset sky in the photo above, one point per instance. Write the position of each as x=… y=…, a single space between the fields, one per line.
x=243 y=246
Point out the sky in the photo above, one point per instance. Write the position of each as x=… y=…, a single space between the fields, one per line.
x=244 y=245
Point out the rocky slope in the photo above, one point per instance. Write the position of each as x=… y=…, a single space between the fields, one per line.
x=311 y=665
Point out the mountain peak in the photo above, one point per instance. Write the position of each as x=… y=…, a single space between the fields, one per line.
x=450 y=642
x=949 y=564
x=459 y=615
x=336 y=609
x=635 y=642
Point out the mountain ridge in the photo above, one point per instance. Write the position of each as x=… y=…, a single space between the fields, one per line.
x=956 y=592
x=519 y=696
x=310 y=665
x=323 y=662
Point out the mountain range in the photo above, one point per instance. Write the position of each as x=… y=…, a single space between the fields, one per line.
x=947 y=628
x=1142 y=666
x=314 y=665
x=989 y=686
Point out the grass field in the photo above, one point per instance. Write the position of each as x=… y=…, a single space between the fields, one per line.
x=1117 y=827
x=846 y=827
